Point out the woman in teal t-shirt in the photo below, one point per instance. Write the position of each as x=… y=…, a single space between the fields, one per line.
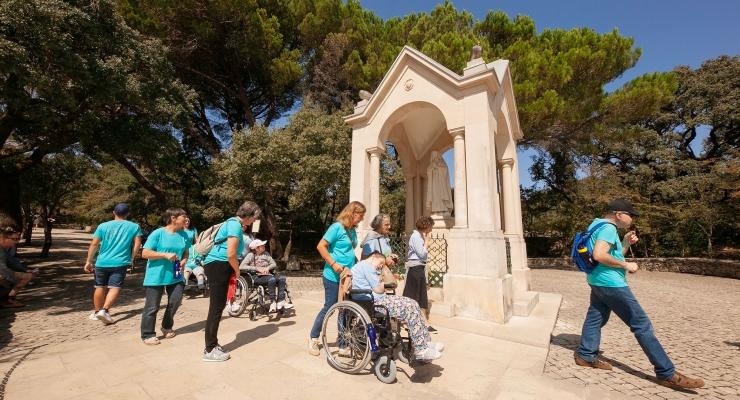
x=337 y=248
x=191 y=232
x=164 y=248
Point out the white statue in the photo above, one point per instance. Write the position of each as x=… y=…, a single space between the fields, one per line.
x=439 y=194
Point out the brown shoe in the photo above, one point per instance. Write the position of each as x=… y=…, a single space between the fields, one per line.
x=681 y=381
x=593 y=364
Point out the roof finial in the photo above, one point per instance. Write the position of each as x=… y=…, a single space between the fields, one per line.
x=476 y=52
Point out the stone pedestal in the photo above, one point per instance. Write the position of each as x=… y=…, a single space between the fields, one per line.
x=442 y=221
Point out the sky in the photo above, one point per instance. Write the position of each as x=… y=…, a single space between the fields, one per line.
x=669 y=32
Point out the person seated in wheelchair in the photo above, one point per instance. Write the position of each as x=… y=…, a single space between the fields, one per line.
x=259 y=262
x=366 y=275
x=193 y=267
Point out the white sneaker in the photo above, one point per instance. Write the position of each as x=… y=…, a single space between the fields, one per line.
x=281 y=305
x=104 y=317
x=430 y=353
x=235 y=307
x=93 y=316
x=344 y=352
x=439 y=346
x=216 y=355
x=273 y=307
x=287 y=305
x=313 y=346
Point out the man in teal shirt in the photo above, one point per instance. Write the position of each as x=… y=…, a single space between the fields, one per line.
x=118 y=241
x=609 y=292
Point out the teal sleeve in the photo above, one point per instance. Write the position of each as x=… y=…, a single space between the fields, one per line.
x=138 y=231
x=332 y=234
x=152 y=240
x=99 y=232
x=233 y=229
x=607 y=233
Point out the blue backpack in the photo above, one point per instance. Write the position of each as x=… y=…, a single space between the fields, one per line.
x=582 y=252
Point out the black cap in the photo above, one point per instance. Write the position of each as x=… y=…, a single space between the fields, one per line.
x=623 y=205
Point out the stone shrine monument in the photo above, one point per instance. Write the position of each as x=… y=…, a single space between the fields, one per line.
x=425 y=109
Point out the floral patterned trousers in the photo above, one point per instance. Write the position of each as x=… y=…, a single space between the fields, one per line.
x=408 y=311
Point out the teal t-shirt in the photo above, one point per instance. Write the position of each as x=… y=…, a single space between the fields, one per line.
x=192 y=256
x=342 y=243
x=192 y=233
x=603 y=275
x=232 y=228
x=160 y=272
x=116 y=241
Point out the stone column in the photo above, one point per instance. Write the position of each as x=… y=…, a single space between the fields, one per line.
x=410 y=211
x=373 y=208
x=461 y=187
x=509 y=207
x=418 y=197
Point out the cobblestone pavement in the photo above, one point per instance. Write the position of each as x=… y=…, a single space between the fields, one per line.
x=694 y=317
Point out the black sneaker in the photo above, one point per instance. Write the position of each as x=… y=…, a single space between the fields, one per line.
x=431 y=329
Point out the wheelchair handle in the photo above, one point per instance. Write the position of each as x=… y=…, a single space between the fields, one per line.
x=391 y=285
x=360 y=291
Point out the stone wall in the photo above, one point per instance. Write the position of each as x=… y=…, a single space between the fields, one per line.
x=697 y=266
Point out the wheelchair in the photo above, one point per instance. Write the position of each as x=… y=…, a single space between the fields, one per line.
x=256 y=298
x=346 y=336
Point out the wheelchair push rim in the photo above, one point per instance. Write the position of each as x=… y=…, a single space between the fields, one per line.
x=345 y=326
x=241 y=296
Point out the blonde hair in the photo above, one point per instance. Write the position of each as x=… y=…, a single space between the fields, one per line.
x=345 y=217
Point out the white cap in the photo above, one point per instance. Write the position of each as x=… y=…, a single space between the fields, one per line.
x=256 y=243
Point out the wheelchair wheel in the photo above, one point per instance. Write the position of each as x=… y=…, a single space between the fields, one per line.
x=385 y=369
x=344 y=337
x=241 y=296
x=403 y=351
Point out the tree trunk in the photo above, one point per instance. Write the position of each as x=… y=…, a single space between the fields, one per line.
x=10 y=200
x=288 y=247
x=27 y=223
x=48 y=226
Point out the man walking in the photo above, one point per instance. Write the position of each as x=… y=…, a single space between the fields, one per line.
x=119 y=241
x=609 y=292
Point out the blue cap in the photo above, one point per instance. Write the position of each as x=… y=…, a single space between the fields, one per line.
x=121 y=209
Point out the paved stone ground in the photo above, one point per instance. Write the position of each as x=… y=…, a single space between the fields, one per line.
x=58 y=305
x=695 y=317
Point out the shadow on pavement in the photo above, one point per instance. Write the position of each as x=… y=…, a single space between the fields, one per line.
x=259 y=332
x=571 y=342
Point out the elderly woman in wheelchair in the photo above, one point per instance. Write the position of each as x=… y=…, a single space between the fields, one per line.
x=368 y=327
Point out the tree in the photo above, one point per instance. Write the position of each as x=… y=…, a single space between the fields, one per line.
x=73 y=73
x=54 y=184
x=298 y=173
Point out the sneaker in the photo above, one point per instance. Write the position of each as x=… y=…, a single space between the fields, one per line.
x=313 y=346
x=439 y=346
x=344 y=352
x=104 y=317
x=235 y=307
x=431 y=329
x=217 y=354
x=596 y=363
x=287 y=305
x=430 y=353
x=681 y=381
x=281 y=305
x=93 y=316
x=273 y=307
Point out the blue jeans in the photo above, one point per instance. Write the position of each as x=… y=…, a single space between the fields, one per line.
x=151 y=306
x=331 y=292
x=622 y=301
